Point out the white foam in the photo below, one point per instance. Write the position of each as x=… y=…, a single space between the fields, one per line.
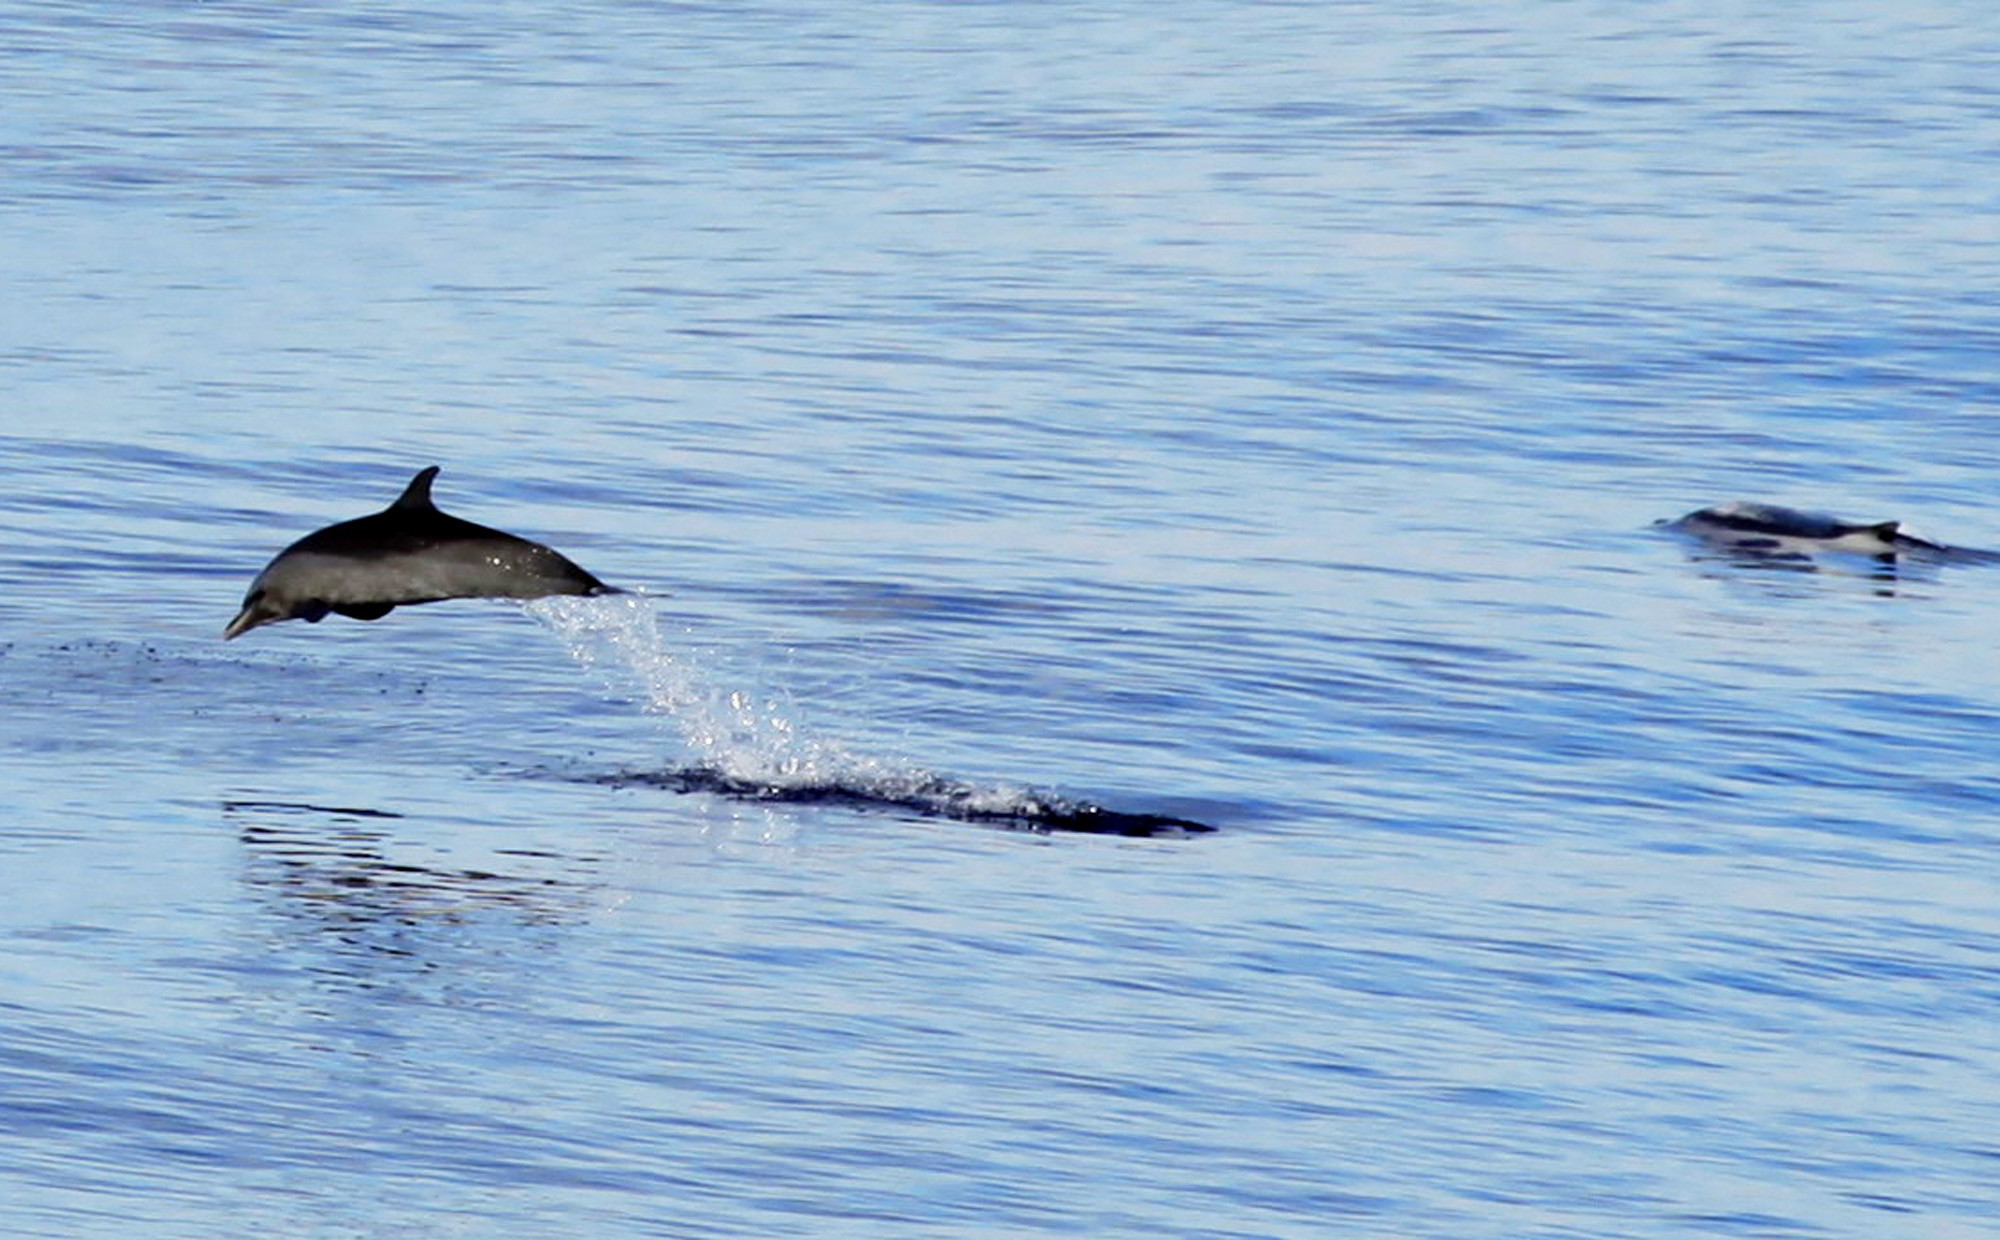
x=745 y=733
x=748 y=744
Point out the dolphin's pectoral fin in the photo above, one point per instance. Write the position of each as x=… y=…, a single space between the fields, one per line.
x=312 y=611
x=365 y=611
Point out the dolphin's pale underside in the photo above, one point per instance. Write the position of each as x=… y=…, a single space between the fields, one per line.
x=408 y=553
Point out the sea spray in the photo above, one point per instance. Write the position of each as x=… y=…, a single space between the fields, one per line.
x=749 y=744
x=744 y=734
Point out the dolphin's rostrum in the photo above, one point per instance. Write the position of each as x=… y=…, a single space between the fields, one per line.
x=407 y=553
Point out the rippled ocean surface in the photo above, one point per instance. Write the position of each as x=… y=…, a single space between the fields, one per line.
x=1247 y=412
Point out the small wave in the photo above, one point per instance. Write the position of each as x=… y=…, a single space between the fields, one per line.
x=748 y=746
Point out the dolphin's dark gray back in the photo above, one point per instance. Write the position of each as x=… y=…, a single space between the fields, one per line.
x=410 y=552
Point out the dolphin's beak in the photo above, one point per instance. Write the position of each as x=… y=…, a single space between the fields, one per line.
x=245 y=620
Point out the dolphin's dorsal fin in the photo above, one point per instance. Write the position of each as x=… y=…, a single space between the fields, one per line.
x=1886 y=530
x=418 y=494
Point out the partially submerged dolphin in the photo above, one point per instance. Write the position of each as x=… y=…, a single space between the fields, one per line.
x=407 y=553
x=1774 y=532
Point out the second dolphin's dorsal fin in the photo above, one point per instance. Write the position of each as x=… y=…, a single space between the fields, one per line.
x=418 y=494
x=1886 y=530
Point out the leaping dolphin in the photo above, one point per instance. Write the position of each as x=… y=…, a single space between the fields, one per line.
x=408 y=553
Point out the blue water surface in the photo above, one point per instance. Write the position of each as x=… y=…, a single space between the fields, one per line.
x=1248 y=412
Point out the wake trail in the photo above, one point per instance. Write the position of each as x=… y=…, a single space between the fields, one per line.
x=749 y=746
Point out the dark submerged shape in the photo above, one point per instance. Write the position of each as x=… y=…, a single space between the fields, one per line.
x=934 y=798
x=408 y=553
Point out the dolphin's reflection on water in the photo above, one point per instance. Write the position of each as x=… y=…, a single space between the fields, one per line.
x=344 y=868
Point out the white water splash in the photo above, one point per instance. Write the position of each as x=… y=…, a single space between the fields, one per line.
x=748 y=744
x=743 y=733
